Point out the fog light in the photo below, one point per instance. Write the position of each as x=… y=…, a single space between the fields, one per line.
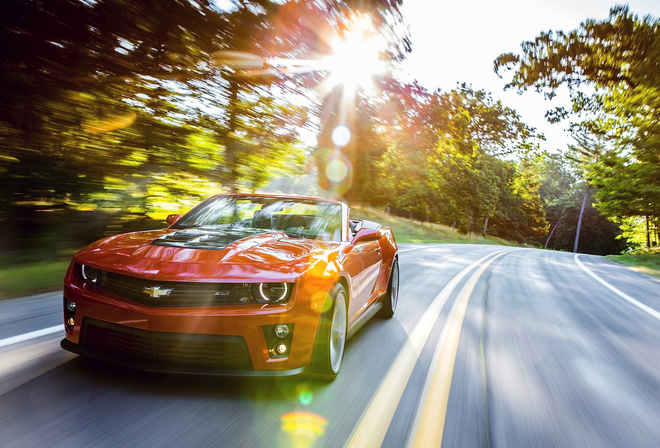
x=70 y=321
x=282 y=331
x=281 y=349
x=71 y=306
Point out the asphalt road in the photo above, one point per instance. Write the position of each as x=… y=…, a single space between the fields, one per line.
x=490 y=346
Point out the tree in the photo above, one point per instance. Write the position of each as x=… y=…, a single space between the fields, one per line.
x=521 y=215
x=585 y=154
x=444 y=164
x=618 y=59
x=562 y=191
x=116 y=103
x=74 y=73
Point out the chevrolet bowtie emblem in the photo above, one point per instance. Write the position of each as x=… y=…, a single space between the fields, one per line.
x=157 y=291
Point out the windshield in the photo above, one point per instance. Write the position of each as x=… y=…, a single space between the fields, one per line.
x=296 y=217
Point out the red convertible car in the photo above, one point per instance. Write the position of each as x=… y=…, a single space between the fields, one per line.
x=240 y=285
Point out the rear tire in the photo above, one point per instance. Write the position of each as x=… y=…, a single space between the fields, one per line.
x=391 y=299
x=331 y=338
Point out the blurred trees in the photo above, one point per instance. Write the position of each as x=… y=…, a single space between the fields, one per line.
x=144 y=107
x=445 y=162
x=74 y=73
x=88 y=112
x=114 y=104
x=611 y=69
x=562 y=190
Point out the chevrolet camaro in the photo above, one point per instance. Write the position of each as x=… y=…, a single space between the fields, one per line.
x=243 y=284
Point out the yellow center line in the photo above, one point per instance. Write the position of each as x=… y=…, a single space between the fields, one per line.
x=429 y=424
x=376 y=419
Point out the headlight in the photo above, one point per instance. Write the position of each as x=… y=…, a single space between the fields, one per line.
x=89 y=274
x=271 y=292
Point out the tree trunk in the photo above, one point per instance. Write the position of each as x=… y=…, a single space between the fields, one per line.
x=584 y=205
x=648 y=233
x=551 y=232
x=485 y=226
x=231 y=150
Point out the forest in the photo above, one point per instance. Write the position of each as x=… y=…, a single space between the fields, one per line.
x=117 y=113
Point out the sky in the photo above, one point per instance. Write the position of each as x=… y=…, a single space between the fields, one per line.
x=457 y=41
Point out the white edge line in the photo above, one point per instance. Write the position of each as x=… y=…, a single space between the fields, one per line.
x=31 y=335
x=412 y=248
x=623 y=295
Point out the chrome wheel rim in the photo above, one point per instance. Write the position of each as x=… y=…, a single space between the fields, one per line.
x=338 y=332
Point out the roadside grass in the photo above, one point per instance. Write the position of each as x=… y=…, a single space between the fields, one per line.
x=409 y=231
x=647 y=263
x=16 y=281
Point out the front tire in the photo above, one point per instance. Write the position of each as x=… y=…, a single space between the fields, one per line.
x=331 y=339
x=391 y=299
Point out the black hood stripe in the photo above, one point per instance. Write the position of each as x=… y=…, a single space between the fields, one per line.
x=205 y=238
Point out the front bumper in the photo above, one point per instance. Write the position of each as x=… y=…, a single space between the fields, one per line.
x=170 y=335
x=155 y=365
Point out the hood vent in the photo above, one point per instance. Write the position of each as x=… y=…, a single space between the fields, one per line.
x=205 y=238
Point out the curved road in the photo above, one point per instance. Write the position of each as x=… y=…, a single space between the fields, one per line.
x=490 y=346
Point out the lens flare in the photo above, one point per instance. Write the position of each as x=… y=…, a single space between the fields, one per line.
x=303 y=428
x=336 y=170
x=306 y=397
x=341 y=135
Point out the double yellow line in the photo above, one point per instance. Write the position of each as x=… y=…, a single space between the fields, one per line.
x=429 y=422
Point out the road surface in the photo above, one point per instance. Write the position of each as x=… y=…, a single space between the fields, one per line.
x=490 y=347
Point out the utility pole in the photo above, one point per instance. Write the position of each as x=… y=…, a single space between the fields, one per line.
x=584 y=204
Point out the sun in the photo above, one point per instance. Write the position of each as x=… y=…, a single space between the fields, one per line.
x=355 y=58
x=357 y=55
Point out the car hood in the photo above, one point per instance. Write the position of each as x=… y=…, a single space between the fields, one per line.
x=204 y=254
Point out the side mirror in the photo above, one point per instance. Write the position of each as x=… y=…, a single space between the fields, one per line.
x=367 y=235
x=171 y=219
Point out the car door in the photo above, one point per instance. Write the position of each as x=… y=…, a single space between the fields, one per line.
x=362 y=263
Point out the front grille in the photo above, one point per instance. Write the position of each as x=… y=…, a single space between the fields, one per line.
x=153 y=293
x=202 y=350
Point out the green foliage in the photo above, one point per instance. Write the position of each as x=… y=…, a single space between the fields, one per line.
x=114 y=104
x=605 y=54
x=618 y=59
x=138 y=109
x=444 y=163
x=627 y=188
x=89 y=105
x=633 y=229
x=521 y=217
x=562 y=192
